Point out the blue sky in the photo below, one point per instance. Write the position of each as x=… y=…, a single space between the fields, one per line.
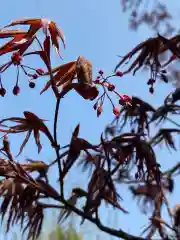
x=99 y=31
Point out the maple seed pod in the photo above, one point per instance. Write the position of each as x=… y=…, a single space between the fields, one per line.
x=32 y=84
x=16 y=90
x=119 y=74
x=2 y=92
x=99 y=111
x=40 y=71
x=111 y=87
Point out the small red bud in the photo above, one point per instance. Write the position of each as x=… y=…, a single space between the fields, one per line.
x=151 y=90
x=116 y=112
x=34 y=76
x=121 y=102
x=151 y=81
x=95 y=105
x=96 y=81
x=101 y=72
x=16 y=90
x=2 y=92
x=40 y=71
x=119 y=74
x=98 y=77
x=99 y=111
x=16 y=58
x=127 y=98
x=32 y=84
x=174 y=57
x=111 y=87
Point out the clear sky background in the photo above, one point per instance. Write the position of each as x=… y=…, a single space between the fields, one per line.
x=99 y=31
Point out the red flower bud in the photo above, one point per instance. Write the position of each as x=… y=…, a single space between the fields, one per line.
x=151 y=81
x=99 y=111
x=121 y=102
x=174 y=57
x=32 y=84
x=116 y=112
x=119 y=74
x=127 y=98
x=16 y=90
x=111 y=87
x=40 y=71
x=95 y=105
x=96 y=81
x=151 y=90
x=34 y=76
x=16 y=58
x=101 y=72
x=2 y=91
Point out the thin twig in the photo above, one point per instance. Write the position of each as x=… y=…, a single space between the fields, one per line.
x=172 y=170
x=117 y=233
x=57 y=149
x=44 y=205
x=56 y=93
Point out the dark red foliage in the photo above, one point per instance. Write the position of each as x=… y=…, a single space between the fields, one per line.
x=125 y=154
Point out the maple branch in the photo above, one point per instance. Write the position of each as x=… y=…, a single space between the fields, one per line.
x=130 y=181
x=57 y=149
x=56 y=93
x=172 y=170
x=173 y=122
x=44 y=205
x=113 y=232
x=117 y=233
